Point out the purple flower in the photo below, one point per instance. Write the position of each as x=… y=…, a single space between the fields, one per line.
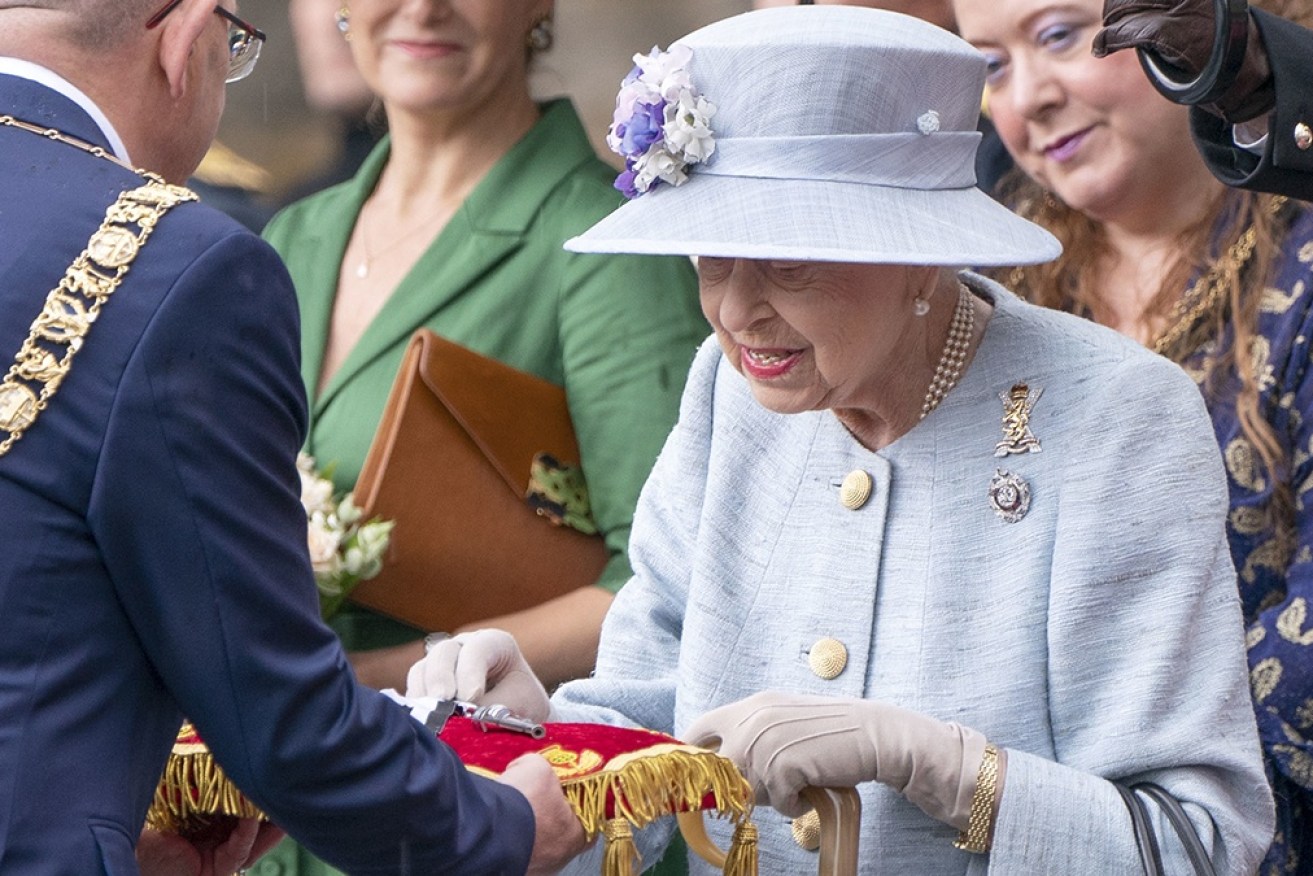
x=632 y=77
x=643 y=128
x=624 y=184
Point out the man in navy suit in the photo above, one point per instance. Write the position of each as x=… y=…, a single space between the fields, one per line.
x=1255 y=128
x=152 y=544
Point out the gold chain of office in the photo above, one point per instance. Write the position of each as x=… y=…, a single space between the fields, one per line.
x=1206 y=294
x=59 y=330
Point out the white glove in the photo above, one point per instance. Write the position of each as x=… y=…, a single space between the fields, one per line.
x=483 y=667
x=786 y=742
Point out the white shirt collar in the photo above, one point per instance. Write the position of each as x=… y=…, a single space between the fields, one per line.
x=52 y=80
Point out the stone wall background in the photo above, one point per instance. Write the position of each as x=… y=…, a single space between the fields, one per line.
x=267 y=121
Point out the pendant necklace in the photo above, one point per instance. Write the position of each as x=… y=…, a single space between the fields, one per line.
x=367 y=259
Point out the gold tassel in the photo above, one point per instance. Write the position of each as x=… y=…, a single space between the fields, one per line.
x=742 y=857
x=621 y=856
x=656 y=782
x=193 y=790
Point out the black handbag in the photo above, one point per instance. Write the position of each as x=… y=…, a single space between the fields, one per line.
x=1147 y=841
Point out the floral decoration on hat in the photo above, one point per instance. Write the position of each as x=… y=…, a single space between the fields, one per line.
x=661 y=125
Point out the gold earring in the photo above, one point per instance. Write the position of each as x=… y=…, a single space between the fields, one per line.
x=343 y=19
x=540 y=36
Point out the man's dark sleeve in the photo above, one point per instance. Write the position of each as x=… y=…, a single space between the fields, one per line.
x=1284 y=167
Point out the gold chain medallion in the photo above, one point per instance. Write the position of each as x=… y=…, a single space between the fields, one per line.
x=72 y=307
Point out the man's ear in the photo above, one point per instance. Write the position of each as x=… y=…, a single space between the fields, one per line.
x=179 y=33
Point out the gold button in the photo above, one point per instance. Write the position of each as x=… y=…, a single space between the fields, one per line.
x=827 y=658
x=1303 y=135
x=856 y=489
x=807 y=831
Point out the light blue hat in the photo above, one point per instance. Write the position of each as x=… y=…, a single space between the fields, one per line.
x=819 y=133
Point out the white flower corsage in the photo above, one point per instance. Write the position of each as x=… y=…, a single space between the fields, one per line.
x=662 y=126
x=343 y=549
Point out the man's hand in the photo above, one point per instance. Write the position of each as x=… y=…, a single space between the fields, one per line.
x=1181 y=37
x=482 y=667
x=164 y=854
x=558 y=835
x=1179 y=32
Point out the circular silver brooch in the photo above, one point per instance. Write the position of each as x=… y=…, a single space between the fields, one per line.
x=1009 y=495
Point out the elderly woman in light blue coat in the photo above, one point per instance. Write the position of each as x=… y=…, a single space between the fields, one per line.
x=910 y=533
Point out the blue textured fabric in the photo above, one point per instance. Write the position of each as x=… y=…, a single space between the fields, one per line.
x=1276 y=589
x=1099 y=637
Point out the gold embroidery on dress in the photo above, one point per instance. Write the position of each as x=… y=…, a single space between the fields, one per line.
x=1297 y=764
x=1261 y=355
x=1240 y=463
x=1301 y=490
x=1304 y=715
x=1270 y=600
x=1265 y=677
x=1290 y=623
x=1267 y=555
x=1255 y=635
x=1247 y=520
x=1276 y=300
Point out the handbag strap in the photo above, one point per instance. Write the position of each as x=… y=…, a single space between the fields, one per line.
x=1194 y=847
x=1146 y=840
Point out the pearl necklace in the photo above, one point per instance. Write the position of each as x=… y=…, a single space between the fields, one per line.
x=954 y=357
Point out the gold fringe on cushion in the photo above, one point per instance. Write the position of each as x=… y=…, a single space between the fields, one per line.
x=654 y=783
x=742 y=857
x=621 y=857
x=194 y=789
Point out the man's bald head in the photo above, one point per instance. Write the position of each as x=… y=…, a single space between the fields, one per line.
x=95 y=25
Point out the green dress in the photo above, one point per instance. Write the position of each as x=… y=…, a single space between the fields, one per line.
x=617 y=332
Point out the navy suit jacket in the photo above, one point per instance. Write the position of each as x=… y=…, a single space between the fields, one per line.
x=1283 y=168
x=153 y=560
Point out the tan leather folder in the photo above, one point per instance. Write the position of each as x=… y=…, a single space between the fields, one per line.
x=450 y=464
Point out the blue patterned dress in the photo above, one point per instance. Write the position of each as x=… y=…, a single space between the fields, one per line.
x=1277 y=590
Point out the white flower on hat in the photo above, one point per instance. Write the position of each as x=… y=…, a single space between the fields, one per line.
x=688 y=127
x=658 y=164
x=665 y=72
x=661 y=125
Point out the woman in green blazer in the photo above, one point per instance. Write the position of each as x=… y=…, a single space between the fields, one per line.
x=455 y=223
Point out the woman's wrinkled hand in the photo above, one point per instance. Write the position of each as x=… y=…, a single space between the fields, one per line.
x=786 y=742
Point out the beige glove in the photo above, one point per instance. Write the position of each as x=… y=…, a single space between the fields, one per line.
x=785 y=742
x=482 y=667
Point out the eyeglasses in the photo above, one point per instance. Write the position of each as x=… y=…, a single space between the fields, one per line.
x=244 y=40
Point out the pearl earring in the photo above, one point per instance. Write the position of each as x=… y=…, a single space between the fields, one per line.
x=540 y=36
x=920 y=306
x=343 y=19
